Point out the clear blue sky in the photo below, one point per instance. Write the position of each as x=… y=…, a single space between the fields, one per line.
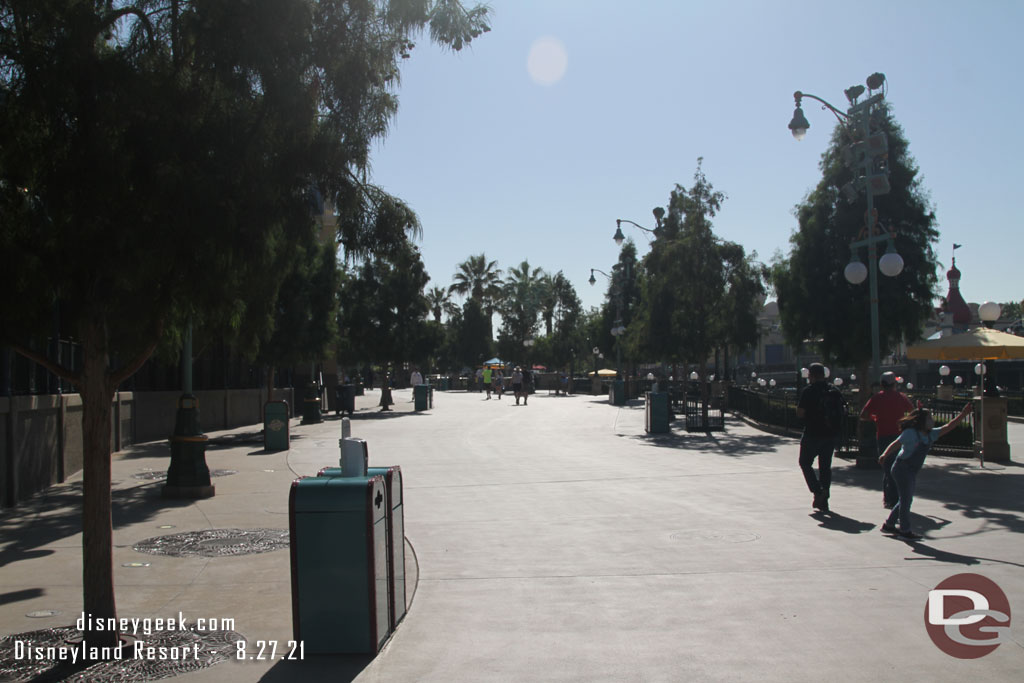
x=538 y=166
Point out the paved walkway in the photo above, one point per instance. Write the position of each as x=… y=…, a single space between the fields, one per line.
x=559 y=542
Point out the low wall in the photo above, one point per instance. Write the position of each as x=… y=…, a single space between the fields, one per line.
x=41 y=440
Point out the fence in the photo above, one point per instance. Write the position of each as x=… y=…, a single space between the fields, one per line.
x=778 y=409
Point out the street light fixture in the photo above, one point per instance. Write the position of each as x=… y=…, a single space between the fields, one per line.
x=619 y=238
x=868 y=152
x=618 y=329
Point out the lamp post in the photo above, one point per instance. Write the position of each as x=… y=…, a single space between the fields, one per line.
x=618 y=329
x=989 y=313
x=868 y=154
x=659 y=213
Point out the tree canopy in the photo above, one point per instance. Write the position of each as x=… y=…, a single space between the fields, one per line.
x=815 y=300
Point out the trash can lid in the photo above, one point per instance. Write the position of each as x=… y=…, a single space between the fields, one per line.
x=338 y=494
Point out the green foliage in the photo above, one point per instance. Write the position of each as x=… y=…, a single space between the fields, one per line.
x=815 y=300
x=699 y=292
x=472 y=338
x=520 y=306
x=383 y=311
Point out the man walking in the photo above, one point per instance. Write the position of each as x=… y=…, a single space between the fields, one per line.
x=887 y=408
x=820 y=407
x=487 y=381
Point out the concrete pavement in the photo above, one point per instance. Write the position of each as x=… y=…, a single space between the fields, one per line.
x=559 y=542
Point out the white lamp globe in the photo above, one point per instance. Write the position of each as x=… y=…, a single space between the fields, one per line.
x=855 y=272
x=958 y=379
x=891 y=264
x=694 y=376
x=838 y=381
x=910 y=385
x=990 y=311
x=979 y=369
x=944 y=370
x=805 y=373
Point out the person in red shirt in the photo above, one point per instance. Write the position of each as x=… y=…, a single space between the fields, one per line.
x=886 y=409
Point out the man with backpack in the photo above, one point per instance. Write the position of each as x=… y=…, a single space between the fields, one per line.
x=822 y=408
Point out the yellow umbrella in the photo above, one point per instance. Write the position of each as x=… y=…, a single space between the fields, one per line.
x=978 y=344
x=604 y=372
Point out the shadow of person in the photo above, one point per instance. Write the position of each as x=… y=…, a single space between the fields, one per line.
x=837 y=522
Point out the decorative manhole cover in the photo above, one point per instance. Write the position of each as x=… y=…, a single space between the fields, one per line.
x=155 y=476
x=215 y=543
x=151 y=657
x=719 y=536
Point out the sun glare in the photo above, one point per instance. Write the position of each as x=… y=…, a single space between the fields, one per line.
x=547 y=61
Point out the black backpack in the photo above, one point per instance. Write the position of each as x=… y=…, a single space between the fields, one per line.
x=833 y=409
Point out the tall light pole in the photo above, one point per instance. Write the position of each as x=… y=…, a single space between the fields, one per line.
x=659 y=213
x=618 y=329
x=868 y=154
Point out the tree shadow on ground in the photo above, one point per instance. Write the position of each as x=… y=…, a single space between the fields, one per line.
x=721 y=442
x=991 y=497
x=56 y=514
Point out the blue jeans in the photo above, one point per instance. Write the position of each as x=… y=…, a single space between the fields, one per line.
x=820 y=447
x=889 y=492
x=905 y=479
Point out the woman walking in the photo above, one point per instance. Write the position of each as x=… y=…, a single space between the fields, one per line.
x=917 y=434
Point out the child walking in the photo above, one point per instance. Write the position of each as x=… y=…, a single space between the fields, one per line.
x=917 y=434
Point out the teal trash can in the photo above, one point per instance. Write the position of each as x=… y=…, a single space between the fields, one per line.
x=619 y=392
x=656 y=415
x=275 y=426
x=422 y=396
x=396 y=534
x=339 y=564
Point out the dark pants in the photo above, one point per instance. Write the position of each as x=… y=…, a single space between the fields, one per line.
x=906 y=480
x=820 y=447
x=889 y=493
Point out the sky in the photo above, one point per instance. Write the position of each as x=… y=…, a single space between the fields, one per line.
x=569 y=114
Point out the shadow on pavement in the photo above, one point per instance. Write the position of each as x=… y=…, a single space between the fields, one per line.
x=318 y=668
x=837 y=522
x=991 y=497
x=57 y=515
x=722 y=443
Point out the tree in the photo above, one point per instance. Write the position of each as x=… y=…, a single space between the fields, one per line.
x=700 y=292
x=439 y=300
x=815 y=300
x=159 y=155
x=520 y=307
x=479 y=279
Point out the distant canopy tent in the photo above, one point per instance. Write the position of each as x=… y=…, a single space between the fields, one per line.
x=978 y=344
x=604 y=372
x=494 y=363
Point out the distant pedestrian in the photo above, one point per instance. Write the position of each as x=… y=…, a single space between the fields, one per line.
x=487 y=381
x=517 y=383
x=527 y=383
x=916 y=438
x=498 y=382
x=887 y=408
x=385 y=394
x=821 y=407
x=416 y=378
x=479 y=379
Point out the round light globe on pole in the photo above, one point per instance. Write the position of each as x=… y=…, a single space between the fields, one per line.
x=944 y=370
x=989 y=311
x=805 y=373
x=910 y=385
x=979 y=369
x=891 y=264
x=694 y=376
x=958 y=380
x=855 y=272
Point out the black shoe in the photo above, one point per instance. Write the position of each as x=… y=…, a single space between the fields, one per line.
x=887 y=528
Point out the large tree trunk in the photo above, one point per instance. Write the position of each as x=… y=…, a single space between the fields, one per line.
x=97 y=530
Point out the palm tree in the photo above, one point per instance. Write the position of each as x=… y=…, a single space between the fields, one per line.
x=522 y=299
x=439 y=300
x=479 y=278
